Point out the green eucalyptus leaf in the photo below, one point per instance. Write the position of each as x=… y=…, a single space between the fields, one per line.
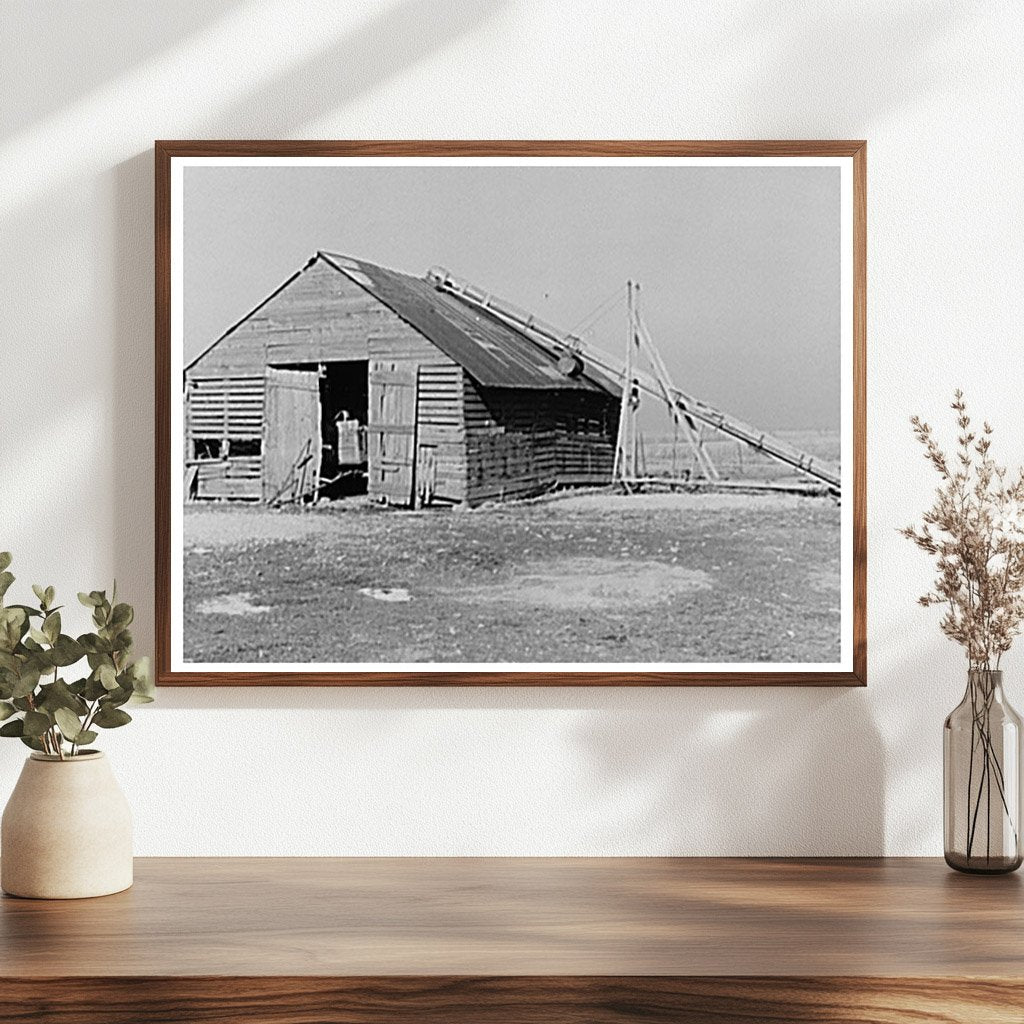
x=5 y=560
x=96 y=661
x=122 y=616
x=22 y=703
x=6 y=579
x=36 y=723
x=66 y=651
x=31 y=741
x=69 y=724
x=9 y=663
x=49 y=594
x=107 y=676
x=89 y=600
x=51 y=626
x=110 y=717
x=13 y=626
x=59 y=695
x=40 y=593
x=27 y=681
x=94 y=644
x=86 y=736
x=115 y=698
x=94 y=689
x=16 y=727
x=6 y=710
x=29 y=610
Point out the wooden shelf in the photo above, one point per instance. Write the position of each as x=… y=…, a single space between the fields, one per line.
x=283 y=941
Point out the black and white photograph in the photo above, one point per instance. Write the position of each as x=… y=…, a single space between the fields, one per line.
x=503 y=414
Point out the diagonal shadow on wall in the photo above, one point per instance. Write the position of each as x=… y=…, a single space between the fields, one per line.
x=47 y=61
x=388 y=44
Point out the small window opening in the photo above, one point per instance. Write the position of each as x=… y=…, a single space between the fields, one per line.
x=246 y=448
x=206 y=448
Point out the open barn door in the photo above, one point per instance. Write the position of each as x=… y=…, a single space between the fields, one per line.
x=291 y=435
x=392 y=432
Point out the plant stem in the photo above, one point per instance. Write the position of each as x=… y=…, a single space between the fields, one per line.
x=59 y=740
x=970 y=767
x=982 y=698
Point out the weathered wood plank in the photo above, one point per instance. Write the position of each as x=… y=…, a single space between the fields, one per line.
x=521 y=442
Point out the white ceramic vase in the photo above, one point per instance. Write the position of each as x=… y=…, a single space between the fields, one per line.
x=66 y=831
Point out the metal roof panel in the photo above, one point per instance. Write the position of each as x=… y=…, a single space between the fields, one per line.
x=491 y=351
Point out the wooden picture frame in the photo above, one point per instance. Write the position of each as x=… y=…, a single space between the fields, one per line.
x=850 y=156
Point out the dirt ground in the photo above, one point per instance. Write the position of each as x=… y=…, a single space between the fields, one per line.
x=595 y=577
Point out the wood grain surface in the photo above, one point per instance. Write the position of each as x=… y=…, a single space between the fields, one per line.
x=504 y=940
x=511 y=1000
x=504 y=916
x=166 y=150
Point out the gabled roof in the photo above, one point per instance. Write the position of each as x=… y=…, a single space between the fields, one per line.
x=491 y=351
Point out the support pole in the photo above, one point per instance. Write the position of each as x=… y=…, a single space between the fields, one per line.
x=677 y=406
x=624 y=469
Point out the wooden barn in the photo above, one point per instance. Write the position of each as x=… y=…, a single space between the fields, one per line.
x=354 y=378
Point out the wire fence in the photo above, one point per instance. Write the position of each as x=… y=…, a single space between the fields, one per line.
x=666 y=454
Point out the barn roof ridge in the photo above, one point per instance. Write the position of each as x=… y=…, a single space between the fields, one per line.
x=492 y=351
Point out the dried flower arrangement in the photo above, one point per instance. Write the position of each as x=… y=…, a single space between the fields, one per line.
x=975 y=531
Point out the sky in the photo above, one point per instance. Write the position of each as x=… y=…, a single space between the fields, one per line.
x=739 y=267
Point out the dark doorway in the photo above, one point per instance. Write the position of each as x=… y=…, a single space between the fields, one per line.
x=344 y=395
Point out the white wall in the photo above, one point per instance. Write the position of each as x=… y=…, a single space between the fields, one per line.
x=937 y=89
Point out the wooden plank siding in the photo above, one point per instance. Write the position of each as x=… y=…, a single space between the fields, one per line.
x=225 y=411
x=441 y=443
x=521 y=443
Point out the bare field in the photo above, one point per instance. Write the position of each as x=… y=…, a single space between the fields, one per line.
x=592 y=577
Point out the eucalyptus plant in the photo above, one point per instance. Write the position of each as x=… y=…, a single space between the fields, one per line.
x=37 y=704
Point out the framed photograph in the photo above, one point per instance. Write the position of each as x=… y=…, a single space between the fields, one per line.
x=492 y=413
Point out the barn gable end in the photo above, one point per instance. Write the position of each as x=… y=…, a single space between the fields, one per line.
x=319 y=315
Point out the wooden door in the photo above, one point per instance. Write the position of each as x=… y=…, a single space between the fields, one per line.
x=392 y=433
x=291 y=435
